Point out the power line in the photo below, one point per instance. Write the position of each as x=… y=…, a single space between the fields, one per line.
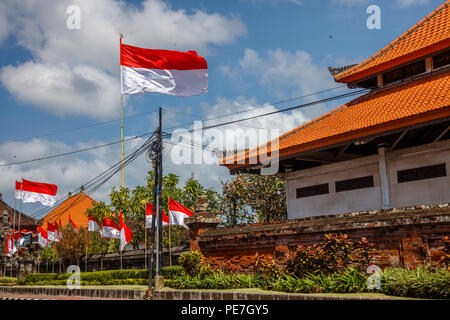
x=337 y=97
x=95 y=183
x=81 y=128
x=252 y=108
x=73 y=152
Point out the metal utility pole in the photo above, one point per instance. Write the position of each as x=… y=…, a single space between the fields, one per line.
x=152 y=236
x=159 y=199
x=156 y=151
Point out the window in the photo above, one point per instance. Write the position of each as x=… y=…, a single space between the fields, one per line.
x=422 y=173
x=352 y=184
x=404 y=72
x=312 y=190
x=441 y=59
x=369 y=83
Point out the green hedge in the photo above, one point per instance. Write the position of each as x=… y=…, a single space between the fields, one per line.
x=217 y=280
x=172 y=272
x=421 y=282
x=8 y=281
x=350 y=281
x=109 y=277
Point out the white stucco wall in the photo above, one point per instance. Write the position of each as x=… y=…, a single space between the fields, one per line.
x=400 y=195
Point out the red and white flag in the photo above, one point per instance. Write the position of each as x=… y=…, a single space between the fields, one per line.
x=42 y=237
x=73 y=223
x=110 y=229
x=93 y=224
x=18 y=193
x=163 y=71
x=125 y=233
x=10 y=248
x=178 y=212
x=44 y=193
x=52 y=232
x=149 y=216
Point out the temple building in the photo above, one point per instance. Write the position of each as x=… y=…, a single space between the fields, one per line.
x=75 y=206
x=388 y=148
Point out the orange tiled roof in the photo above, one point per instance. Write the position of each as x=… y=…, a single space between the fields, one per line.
x=429 y=35
x=379 y=111
x=76 y=206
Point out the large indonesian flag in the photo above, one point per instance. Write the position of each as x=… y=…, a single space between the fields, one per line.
x=125 y=233
x=164 y=71
x=178 y=212
x=149 y=216
x=30 y=191
x=42 y=237
x=110 y=229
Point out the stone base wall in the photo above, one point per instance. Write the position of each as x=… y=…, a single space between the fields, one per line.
x=402 y=237
x=133 y=259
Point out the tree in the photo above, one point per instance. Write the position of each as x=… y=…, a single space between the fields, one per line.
x=249 y=198
x=132 y=204
x=234 y=206
x=72 y=245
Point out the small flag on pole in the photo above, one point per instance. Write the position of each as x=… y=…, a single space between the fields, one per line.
x=10 y=248
x=149 y=216
x=164 y=71
x=52 y=232
x=125 y=233
x=178 y=213
x=93 y=224
x=18 y=193
x=42 y=237
x=73 y=223
x=110 y=229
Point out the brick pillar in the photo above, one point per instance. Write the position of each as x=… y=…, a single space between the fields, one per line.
x=4 y=227
x=202 y=219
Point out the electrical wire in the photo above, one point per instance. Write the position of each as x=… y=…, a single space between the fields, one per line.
x=95 y=183
x=73 y=152
x=82 y=127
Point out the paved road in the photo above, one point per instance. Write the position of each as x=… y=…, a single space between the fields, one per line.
x=40 y=297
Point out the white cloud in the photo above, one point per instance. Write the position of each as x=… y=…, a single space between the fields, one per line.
x=85 y=62
x=282 y=73
x=400 y=3
x=409 y=3
x=60 y=89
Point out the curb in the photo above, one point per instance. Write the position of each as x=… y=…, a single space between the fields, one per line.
x=83 y=292
x=226 y=295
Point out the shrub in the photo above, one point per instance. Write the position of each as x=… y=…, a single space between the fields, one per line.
x=8 y=281
x=421 y=282
x=334 y=254
x=445 y=255
x=39 y=277
x=172 y=272
x=267 y=269
x=216 y=280
x=191 y=262
x=350 y=281
x=107 y=277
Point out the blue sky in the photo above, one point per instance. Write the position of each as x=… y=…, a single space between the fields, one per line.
x=258 y=52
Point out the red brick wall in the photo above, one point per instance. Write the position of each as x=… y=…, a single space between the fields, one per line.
x=401 y=237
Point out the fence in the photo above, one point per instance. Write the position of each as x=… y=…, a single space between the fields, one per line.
x=132 y=259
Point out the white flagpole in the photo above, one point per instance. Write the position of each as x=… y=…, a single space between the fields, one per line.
x=121 y=131
x=170 y=241
x=145 y=241
x=20 y=206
